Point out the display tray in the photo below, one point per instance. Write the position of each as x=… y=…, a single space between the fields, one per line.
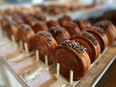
x=32 y=73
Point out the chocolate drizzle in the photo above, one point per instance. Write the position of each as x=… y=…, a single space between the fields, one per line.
x=74 y=45
x=46 y=35
x=89 y=36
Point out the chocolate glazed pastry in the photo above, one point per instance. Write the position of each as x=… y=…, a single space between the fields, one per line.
x=18 y=20
x=64 y=19
x=30 y=20
x=55 y=10
x=102 y=40
x=44 y=43
x=72 y=56
x=101 y=31
x=40 y=17
x=72 y=28
x=90 y=43
x=12 y=29
x=52 y=23
x=59 y=33
x=39 y=26
x=3 y=22
x=25 y=33
x=83 y=24
x=109 y=30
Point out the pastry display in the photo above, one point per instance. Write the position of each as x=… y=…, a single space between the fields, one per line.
x=59 y=33
x=44 y=43
x=58 y=48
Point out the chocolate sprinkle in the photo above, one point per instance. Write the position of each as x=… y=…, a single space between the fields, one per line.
x=57 y=29
x=98 y=29
x=75 y=45
x=46 y=35
x=83 y=22
x=25 y=26
x=19 y=21
x=104 y=24
x=11 y=22
x=89 y=36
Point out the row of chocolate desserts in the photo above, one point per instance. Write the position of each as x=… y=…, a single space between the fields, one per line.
x=74 y=44
x=56 y=9
x=50 y=9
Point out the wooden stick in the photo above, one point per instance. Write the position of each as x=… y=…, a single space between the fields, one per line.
x=21 y=44
x=71 y=77
x=1 y=31
x=46 y=60
x=58 y=69
x=26 y=47
x=37 y=55
x=13 y=40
